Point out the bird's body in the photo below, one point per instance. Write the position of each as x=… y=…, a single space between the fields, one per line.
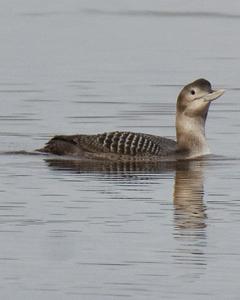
x=192 y=108
x=113 y=145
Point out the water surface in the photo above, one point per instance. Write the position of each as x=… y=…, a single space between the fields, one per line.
x=77 y=230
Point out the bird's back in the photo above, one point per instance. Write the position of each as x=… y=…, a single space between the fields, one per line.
x=111 y=145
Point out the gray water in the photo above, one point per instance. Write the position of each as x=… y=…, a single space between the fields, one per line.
x=71 y=230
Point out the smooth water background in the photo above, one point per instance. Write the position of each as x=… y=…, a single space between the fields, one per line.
x=70 y=230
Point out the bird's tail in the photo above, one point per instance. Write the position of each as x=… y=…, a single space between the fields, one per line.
x=60 y=145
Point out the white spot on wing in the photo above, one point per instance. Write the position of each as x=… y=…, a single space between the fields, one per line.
x=144 y=144
x=126 y=142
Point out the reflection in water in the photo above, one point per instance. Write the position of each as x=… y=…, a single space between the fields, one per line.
x=188 y=187
x=163 y=14
x=108 y=167
x=190 y=216
x=189 y=208
x=188 y=197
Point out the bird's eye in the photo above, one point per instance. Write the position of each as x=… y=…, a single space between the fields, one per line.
x=192 y=92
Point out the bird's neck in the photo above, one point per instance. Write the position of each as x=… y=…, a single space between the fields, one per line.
x=190 y=134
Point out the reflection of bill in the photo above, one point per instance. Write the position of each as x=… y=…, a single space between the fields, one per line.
x=190 y=211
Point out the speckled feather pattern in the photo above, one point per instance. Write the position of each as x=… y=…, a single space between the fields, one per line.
x=129 y=146
x=118 y=143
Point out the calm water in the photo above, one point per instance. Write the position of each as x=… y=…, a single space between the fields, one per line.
x=71 y=230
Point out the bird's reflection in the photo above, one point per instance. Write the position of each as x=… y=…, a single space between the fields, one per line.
x=190 y=211
x=190 y=217
x=189 y=208
x=108 y=167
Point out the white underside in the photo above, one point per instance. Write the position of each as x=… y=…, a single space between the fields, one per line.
x=199 y=153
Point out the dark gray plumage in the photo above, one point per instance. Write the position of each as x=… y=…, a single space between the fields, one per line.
x=120 y=143
x=192 y=107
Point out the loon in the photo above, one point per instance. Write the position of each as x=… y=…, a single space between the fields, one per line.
x=191 y=113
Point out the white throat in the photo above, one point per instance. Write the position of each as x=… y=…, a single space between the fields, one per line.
x=190 y=133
